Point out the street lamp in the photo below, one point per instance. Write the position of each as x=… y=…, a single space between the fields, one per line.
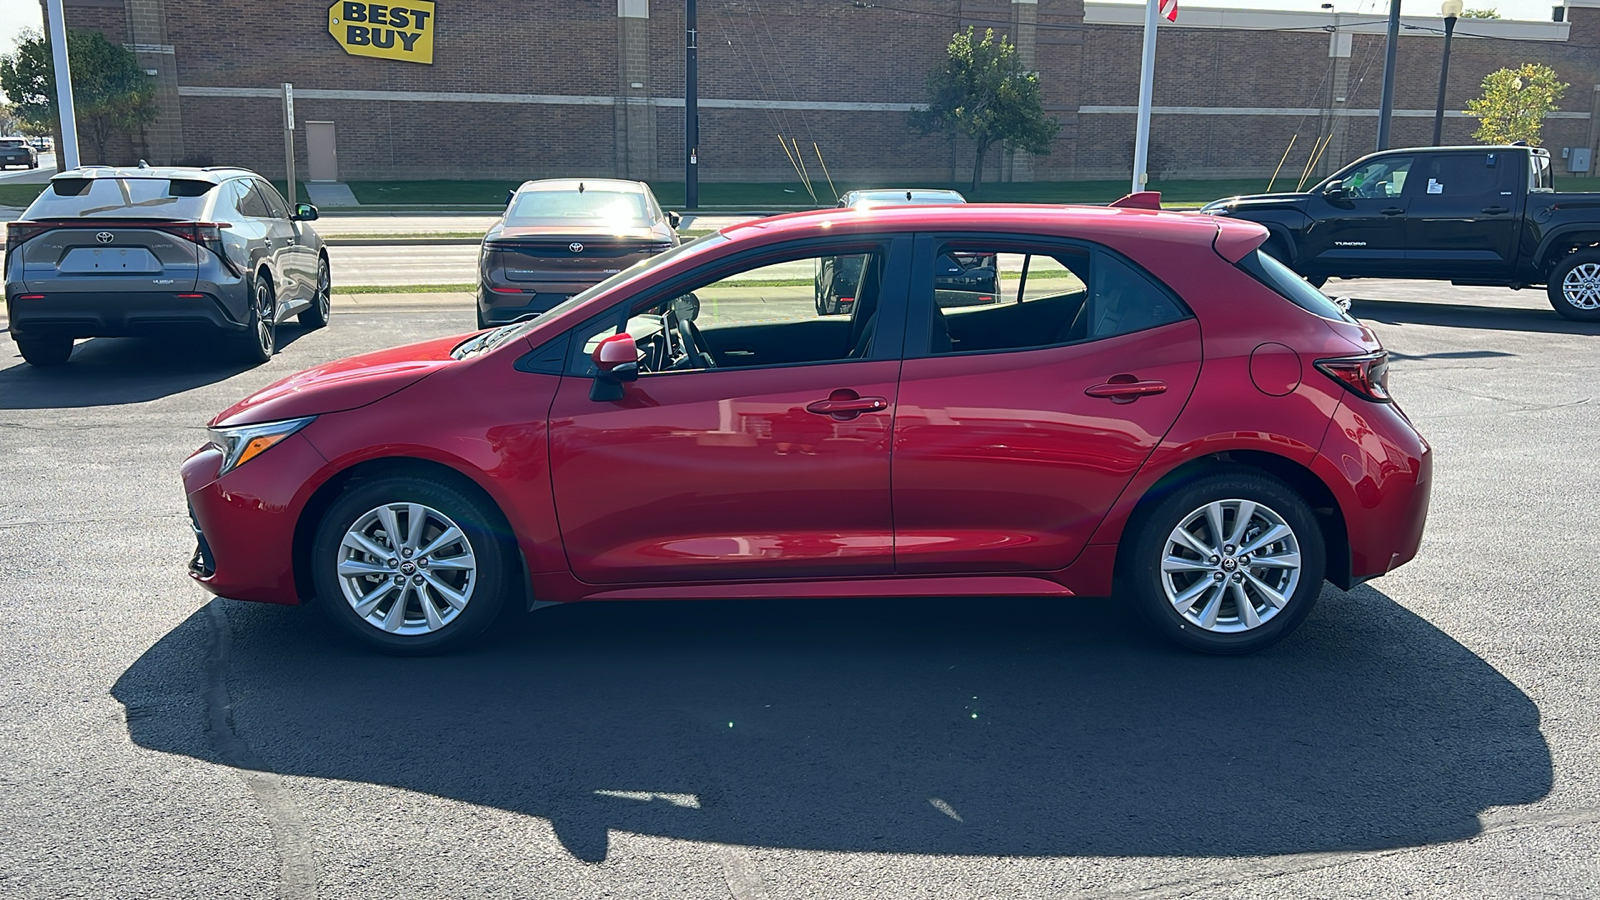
x=1451 y=10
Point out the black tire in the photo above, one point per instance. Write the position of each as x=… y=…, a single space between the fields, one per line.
x=321 y=300
x=486 y=537
x=1145 y=557
x=1579 y=300
x=260 y=339
x=45 y=351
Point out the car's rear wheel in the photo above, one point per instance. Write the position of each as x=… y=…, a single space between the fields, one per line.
x=45 y=351
x=260 y=339
x=1229 y=563
x=411 y=564
x=322 y=300
x=1575 y=286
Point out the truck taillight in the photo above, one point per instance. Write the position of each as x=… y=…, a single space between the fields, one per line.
x=1366 y=375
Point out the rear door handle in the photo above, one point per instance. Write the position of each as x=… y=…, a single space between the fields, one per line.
x=1394 y=211
x=1126 y=389
x=847 y=404
x=1496 y=210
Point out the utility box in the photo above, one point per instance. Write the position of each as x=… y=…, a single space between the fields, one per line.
x=1577 y=159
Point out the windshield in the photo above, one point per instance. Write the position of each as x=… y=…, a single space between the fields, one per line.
x=122 y=198
x=506 y=333
x=589 y=207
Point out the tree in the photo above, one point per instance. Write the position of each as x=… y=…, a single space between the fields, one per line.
x=109 y=90
x=9 y=122
x=1485 y=13
x=983 y=93
x=1514 y=104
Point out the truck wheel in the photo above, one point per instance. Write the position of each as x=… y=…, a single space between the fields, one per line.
x=1575 y=286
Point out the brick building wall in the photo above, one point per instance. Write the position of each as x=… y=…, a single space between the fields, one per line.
x=547 y=87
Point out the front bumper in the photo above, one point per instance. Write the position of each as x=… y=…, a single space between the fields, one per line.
x=245 y=521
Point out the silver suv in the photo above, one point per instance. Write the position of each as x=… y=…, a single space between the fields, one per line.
x=110 y=252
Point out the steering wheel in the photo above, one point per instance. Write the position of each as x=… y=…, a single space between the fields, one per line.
x=694 y=346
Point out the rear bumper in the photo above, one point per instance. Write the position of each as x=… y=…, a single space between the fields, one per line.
x=110 y=314
x=501 y=306
x=1381 y=472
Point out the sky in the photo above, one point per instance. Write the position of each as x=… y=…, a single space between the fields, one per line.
x=16 y=15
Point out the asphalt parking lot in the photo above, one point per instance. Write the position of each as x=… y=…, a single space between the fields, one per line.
x=1431 y=734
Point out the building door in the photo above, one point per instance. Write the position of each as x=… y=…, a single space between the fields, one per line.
x=323 y=151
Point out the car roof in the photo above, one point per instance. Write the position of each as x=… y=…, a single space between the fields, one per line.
x=213 y=174
x=1087 y=222
x=572 y=184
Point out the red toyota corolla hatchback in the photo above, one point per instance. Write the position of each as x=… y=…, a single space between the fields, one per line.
x=1154 y=402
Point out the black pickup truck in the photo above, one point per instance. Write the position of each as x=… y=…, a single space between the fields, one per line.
x=1468 y=215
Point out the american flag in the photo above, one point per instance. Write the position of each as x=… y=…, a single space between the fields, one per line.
x=1169 y=8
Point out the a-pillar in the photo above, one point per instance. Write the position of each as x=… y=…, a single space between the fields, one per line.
x=635 y=115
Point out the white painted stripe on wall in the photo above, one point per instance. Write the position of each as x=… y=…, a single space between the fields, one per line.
x=713 y=103
x=1108 y=12
x=1286 y=111
x=633 y=9
x=538 y=99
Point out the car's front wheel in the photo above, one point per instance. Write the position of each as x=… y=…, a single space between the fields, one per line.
x=411 y=564
x=1575 y=286
x=1229 y=563
x=45 y=351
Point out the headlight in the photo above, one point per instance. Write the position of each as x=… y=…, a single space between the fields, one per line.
x=241 y=444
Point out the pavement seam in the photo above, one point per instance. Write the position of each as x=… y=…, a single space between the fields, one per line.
x=297 y=862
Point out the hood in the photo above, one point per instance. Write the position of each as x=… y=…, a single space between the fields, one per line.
x=343 y=384
x=1254 y=201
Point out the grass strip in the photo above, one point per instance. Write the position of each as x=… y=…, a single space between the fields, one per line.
x=467 y=288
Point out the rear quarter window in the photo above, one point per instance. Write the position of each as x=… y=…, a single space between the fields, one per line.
x=121 y=198
x=1290 y=286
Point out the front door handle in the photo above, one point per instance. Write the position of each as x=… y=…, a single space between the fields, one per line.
x=1394 y=211
x=1496 y=210
x=847 y=404
x=1125 y=389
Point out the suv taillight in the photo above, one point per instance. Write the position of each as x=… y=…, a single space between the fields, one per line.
x=207 y=235
x=1366 y=375
x=18 y=233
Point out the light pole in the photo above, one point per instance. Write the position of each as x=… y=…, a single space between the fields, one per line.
x=1451 y=10
x=1386 y=105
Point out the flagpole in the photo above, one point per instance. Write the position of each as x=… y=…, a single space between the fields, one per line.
x=1147 y=65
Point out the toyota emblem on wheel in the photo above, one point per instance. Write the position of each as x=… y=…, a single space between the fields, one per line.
x=105 y=237
x=575 y=247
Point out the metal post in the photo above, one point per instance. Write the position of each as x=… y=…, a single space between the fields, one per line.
x=1444 y=76
x=68 y=157
x=691 y=113
x=1147 y=65
x=288 y=139
x=1386 y=107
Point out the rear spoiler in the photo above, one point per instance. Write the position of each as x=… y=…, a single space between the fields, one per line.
x=1139 y=200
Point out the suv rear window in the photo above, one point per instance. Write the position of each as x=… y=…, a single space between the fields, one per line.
x=1286 y=283
x=121 y=198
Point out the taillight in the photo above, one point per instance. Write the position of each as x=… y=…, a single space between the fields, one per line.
x=207 y=235
x=1366 y=375
x=18 y=233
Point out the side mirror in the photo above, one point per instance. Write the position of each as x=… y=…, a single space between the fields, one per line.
x=1333 y=189
x=674 y=219
x=617 y=359
x=304 y=212
x=1343 y=303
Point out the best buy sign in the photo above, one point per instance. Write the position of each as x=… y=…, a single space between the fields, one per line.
x=380 y=29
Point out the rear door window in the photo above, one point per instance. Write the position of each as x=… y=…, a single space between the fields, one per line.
x=251 y=204
x=122 y=198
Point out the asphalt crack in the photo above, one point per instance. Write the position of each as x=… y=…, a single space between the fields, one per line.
x=297 y=862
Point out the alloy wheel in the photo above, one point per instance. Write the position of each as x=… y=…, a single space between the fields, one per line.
x=406 y=569
x=266 y=311
x=324 y=290
x=1230 y=566
x=1581 y=286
